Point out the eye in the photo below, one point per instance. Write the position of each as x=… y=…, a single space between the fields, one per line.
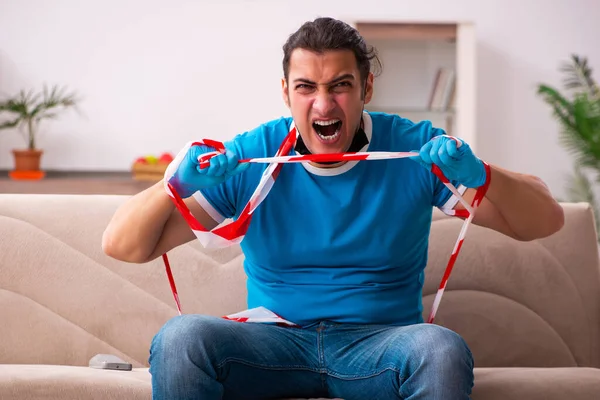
x=304 y=88
x=342 y=86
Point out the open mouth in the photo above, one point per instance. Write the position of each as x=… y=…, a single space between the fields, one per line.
x=328 y=131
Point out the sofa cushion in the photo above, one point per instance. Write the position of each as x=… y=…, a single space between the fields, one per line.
x=536 y=383
x=23 y=381
x=57 y=382
x=50 y=382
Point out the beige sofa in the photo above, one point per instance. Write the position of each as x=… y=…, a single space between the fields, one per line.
x=529 y=311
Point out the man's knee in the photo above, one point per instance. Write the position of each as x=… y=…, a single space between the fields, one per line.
x=443 y=349
x=185 y=334
x=439 y=364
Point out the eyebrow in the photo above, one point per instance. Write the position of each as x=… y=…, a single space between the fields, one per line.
x=335 y=80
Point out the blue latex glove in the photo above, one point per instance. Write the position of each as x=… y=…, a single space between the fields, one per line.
x=457 y=163
x=188 y=177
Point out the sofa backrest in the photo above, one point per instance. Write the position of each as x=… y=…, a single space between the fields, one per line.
x=522 y=304
x=63 y=301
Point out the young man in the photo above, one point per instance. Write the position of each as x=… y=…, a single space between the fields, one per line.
x=338 y=249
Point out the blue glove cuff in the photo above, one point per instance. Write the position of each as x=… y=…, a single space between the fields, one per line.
x=478 y=179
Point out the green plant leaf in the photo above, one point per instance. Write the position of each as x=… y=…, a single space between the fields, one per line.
x=579 y=120
x=47 y=116
x=10 y=124
x=578 y=76
x=583 y=140
x=561 y=107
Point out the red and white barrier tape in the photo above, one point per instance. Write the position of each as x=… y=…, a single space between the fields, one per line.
x=233 y=232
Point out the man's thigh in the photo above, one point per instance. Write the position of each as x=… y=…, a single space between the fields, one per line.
x=271 y=362
x=249 y=360
x=395 y=362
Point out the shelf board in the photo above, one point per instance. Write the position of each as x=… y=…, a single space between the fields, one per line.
x=76 y=182
x=407 y=31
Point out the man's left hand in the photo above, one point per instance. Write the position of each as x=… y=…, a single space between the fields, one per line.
x=455 y=158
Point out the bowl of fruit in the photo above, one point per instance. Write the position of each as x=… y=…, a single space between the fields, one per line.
x=151 y=167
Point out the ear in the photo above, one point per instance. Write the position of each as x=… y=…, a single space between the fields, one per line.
x=369 y=88
x=285 y=92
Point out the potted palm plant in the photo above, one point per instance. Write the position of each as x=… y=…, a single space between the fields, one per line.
x=577 y=110
x=25 y=111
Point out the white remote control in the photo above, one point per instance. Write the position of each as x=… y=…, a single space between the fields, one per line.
x=108 y=361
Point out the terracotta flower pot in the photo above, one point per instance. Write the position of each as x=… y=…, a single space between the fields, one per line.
x=27 y=164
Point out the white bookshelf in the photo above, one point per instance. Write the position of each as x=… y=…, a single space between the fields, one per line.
x=412 y=53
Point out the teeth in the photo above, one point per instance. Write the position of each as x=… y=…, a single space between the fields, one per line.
x=331 y=137
x=326 y=123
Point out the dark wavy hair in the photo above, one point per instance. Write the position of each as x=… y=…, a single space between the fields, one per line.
x=326 y=33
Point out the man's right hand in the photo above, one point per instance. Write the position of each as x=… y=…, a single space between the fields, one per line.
x=186 y=176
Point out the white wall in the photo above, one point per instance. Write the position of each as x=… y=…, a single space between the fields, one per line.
x=155 y=74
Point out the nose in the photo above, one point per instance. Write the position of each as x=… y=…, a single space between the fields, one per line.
x=323 y=103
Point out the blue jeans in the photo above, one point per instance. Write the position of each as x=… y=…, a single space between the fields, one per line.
x=202 y=357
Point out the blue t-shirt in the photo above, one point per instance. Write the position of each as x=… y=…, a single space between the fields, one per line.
x=346 y=244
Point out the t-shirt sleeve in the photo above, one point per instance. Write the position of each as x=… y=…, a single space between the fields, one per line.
x=218 y=201
x=443 y=198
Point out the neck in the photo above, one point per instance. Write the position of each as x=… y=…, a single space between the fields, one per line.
x=358 y=142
